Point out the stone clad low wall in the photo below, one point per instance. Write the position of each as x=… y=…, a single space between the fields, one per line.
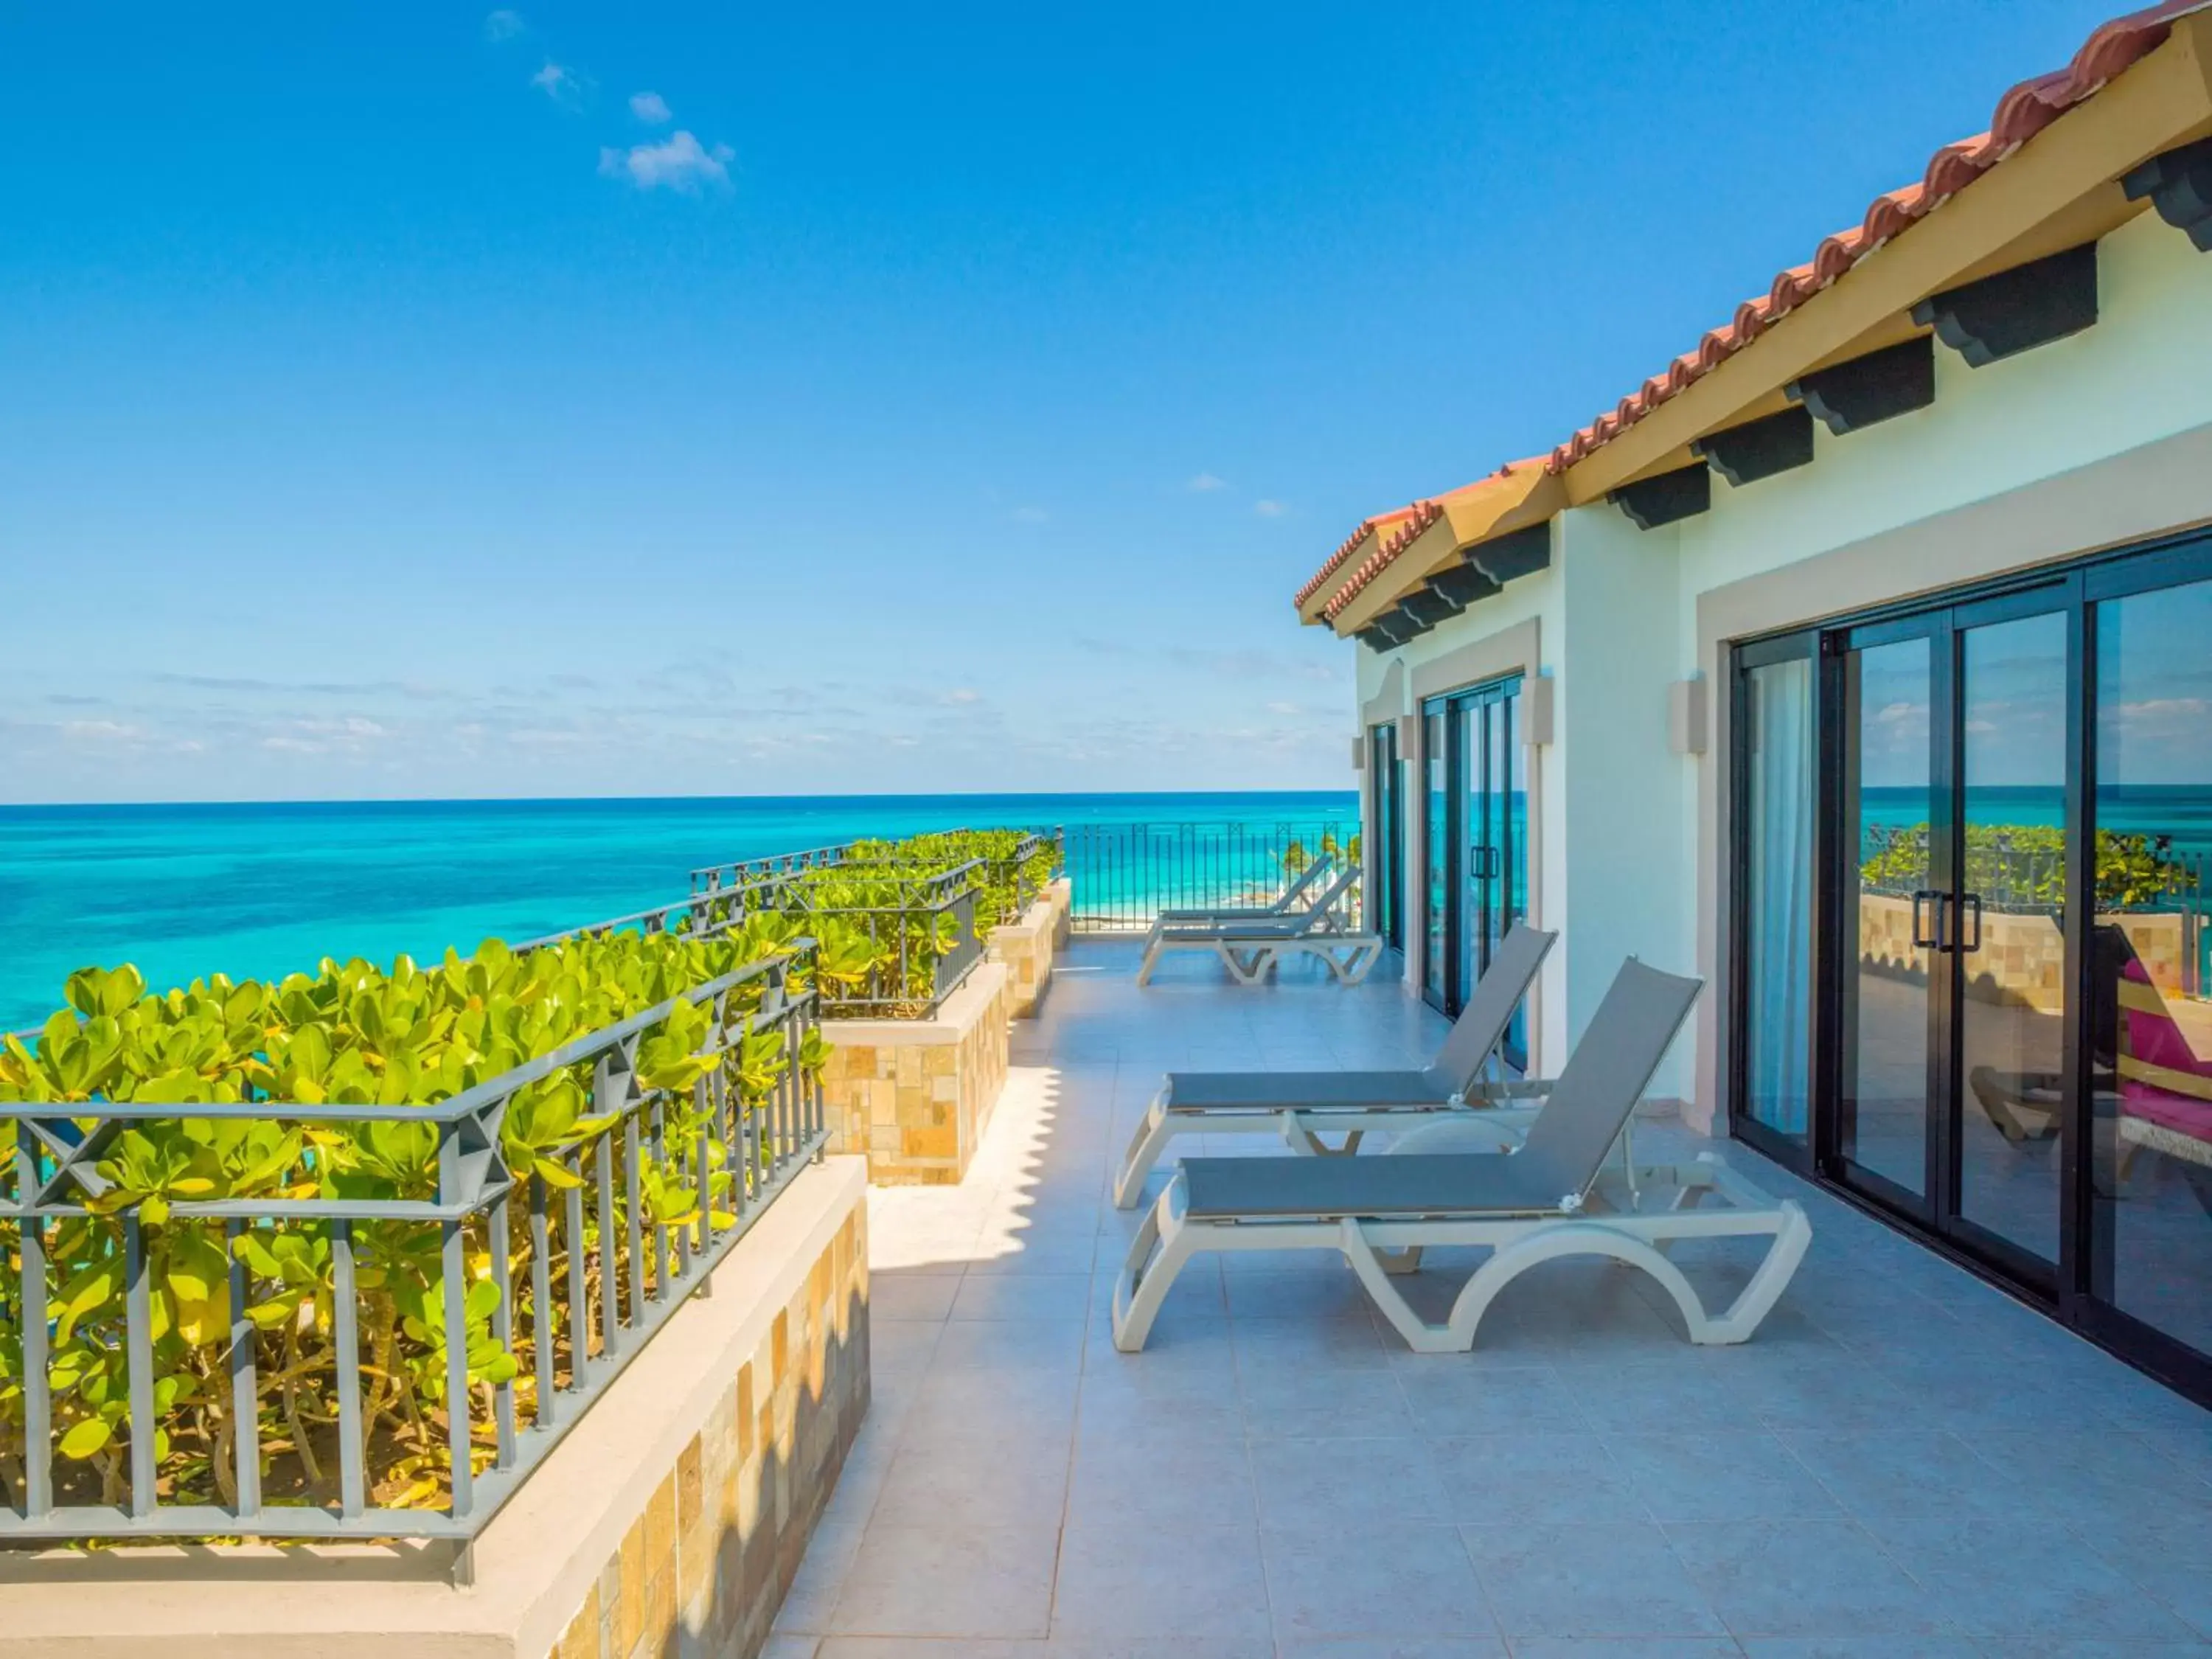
x=1028 y=947
x=670 y=1521
x=914 y=1095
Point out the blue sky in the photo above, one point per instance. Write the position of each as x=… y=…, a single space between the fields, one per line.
x=426 y=400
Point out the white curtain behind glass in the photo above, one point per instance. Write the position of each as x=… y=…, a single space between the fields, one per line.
x=1779 y=843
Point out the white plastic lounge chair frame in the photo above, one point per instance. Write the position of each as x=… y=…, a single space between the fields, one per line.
x=1250 y=947
x=1303 y=1106
x=1384 y=1211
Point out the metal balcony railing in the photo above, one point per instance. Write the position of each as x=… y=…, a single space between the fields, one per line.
x=569 y=1276
x=1125 y=874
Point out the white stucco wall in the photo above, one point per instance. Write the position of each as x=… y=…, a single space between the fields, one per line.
x=1625 y=791
x=1540 y=598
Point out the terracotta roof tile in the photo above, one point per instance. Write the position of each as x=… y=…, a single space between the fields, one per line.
x=2021 y=113
x=1411 y=522
x=1344 y=551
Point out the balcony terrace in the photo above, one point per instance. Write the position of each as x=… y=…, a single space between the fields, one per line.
x=1902 y=1462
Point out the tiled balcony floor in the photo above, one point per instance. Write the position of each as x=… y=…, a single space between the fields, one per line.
x=1903 y=1464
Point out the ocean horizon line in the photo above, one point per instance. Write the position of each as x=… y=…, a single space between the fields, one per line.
x=637 y=800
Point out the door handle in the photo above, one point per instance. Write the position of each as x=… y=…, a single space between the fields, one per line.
x=1929 y=941
x=1971 y=903
x=1483 y=863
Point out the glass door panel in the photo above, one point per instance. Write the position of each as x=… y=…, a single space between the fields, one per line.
x=2005 y=928
x=1477 y=869
x=2148 y=1026
x=1892 y=836
x=1471 y=752
x=1777 y=971
x=1382 y=859
x=1436 y=845
x=1509 y=890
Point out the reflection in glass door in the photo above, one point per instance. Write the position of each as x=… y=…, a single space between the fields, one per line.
x=2150 y=1019
x=1954 y=999
x=2005 y=927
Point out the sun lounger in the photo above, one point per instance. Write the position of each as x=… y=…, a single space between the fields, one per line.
x=1235 y=913
x=1536 y=1205
x=1250 y=947
x=1301 y=1106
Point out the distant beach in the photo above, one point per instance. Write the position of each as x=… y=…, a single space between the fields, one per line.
x=260 y=890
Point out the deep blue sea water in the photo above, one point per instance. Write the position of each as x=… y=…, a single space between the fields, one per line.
x=259 y=890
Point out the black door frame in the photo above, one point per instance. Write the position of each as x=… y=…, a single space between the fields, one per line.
x=2078 y=1292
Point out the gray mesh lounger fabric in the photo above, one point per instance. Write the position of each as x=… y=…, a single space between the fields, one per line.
x=1589 y=1105
x=1442 y=1183
x=1273 y=1092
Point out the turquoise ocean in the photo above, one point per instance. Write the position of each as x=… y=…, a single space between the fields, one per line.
x=257 y=889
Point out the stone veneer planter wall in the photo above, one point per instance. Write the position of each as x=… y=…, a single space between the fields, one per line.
x=914 y=1095
x=1029 y=946
x=671 y=1521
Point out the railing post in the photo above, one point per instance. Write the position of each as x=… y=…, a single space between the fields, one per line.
x=245 y=1384
x=453 y=1265
x=345 y=1327
x=502 y=1326
x=31 y=1303
x=541 y=1301
x=138 y=1344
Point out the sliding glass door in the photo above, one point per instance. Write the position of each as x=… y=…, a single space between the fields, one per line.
x=1478 y=836
x=1969 y=955
x=1957 y=729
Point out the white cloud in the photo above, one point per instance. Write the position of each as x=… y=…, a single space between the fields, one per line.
x=1267 y=509
x=962 y=695
x=682 y=164
x=649 y=107
x=1205 y=482
x=503 y=25
x=1284 y=709
x=100 y=732
x=556 y=83
x=1028 y=515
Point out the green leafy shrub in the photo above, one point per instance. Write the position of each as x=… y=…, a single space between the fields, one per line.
x=349 y=1033
x=1014 y=864
x=889 y=912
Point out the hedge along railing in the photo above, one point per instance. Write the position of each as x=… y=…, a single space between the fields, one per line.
x=747 y=1120
x=903 y=923
x=920 y=933
x=1013 y=867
